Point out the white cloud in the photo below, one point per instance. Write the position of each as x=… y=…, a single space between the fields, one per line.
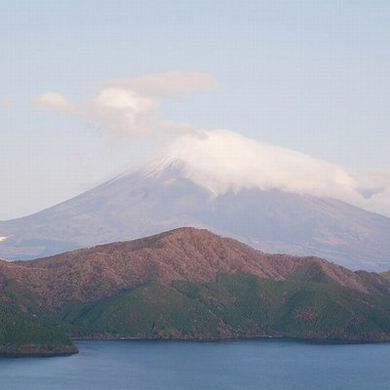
x=222 y=161
x=379 y=202
x=130 y=107
x=375 y=188
x=115 y=111
x=168 y=84
x=55 y=101
x=123 y=112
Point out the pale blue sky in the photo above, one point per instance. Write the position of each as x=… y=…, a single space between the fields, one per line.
x=313 y=76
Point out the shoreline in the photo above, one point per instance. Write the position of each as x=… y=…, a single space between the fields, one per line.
x=73 y=350
x=314 y=341
x=31 y=351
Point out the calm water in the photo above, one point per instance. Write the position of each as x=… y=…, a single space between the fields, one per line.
x=240 y=365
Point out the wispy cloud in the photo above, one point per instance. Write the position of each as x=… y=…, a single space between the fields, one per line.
x=130 y=107
x=375 y=189
x=55 y=101
x=168 y=84
x=122 y=112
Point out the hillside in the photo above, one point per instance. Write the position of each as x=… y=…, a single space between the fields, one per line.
x=24 y=327
x=192 y=284
x=23 y=335
x=189 y=254
x=151 y=201
x=235 y=305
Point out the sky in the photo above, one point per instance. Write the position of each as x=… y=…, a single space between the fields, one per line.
x=88 y=89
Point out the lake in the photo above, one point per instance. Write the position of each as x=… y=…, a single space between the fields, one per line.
x=172 y=365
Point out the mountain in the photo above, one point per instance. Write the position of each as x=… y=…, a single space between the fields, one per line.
x=189 y=283
x=166 y=196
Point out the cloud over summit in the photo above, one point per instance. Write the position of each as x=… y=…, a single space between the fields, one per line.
x=222 y=161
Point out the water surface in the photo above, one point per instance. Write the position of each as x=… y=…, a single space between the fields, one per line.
x=154 y=365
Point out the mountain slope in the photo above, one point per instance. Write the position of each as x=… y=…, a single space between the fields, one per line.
x=151 y=201
x=192 y=284
x=23 y=335
x=189 y=254
x=235 y=305
x=24 y=330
